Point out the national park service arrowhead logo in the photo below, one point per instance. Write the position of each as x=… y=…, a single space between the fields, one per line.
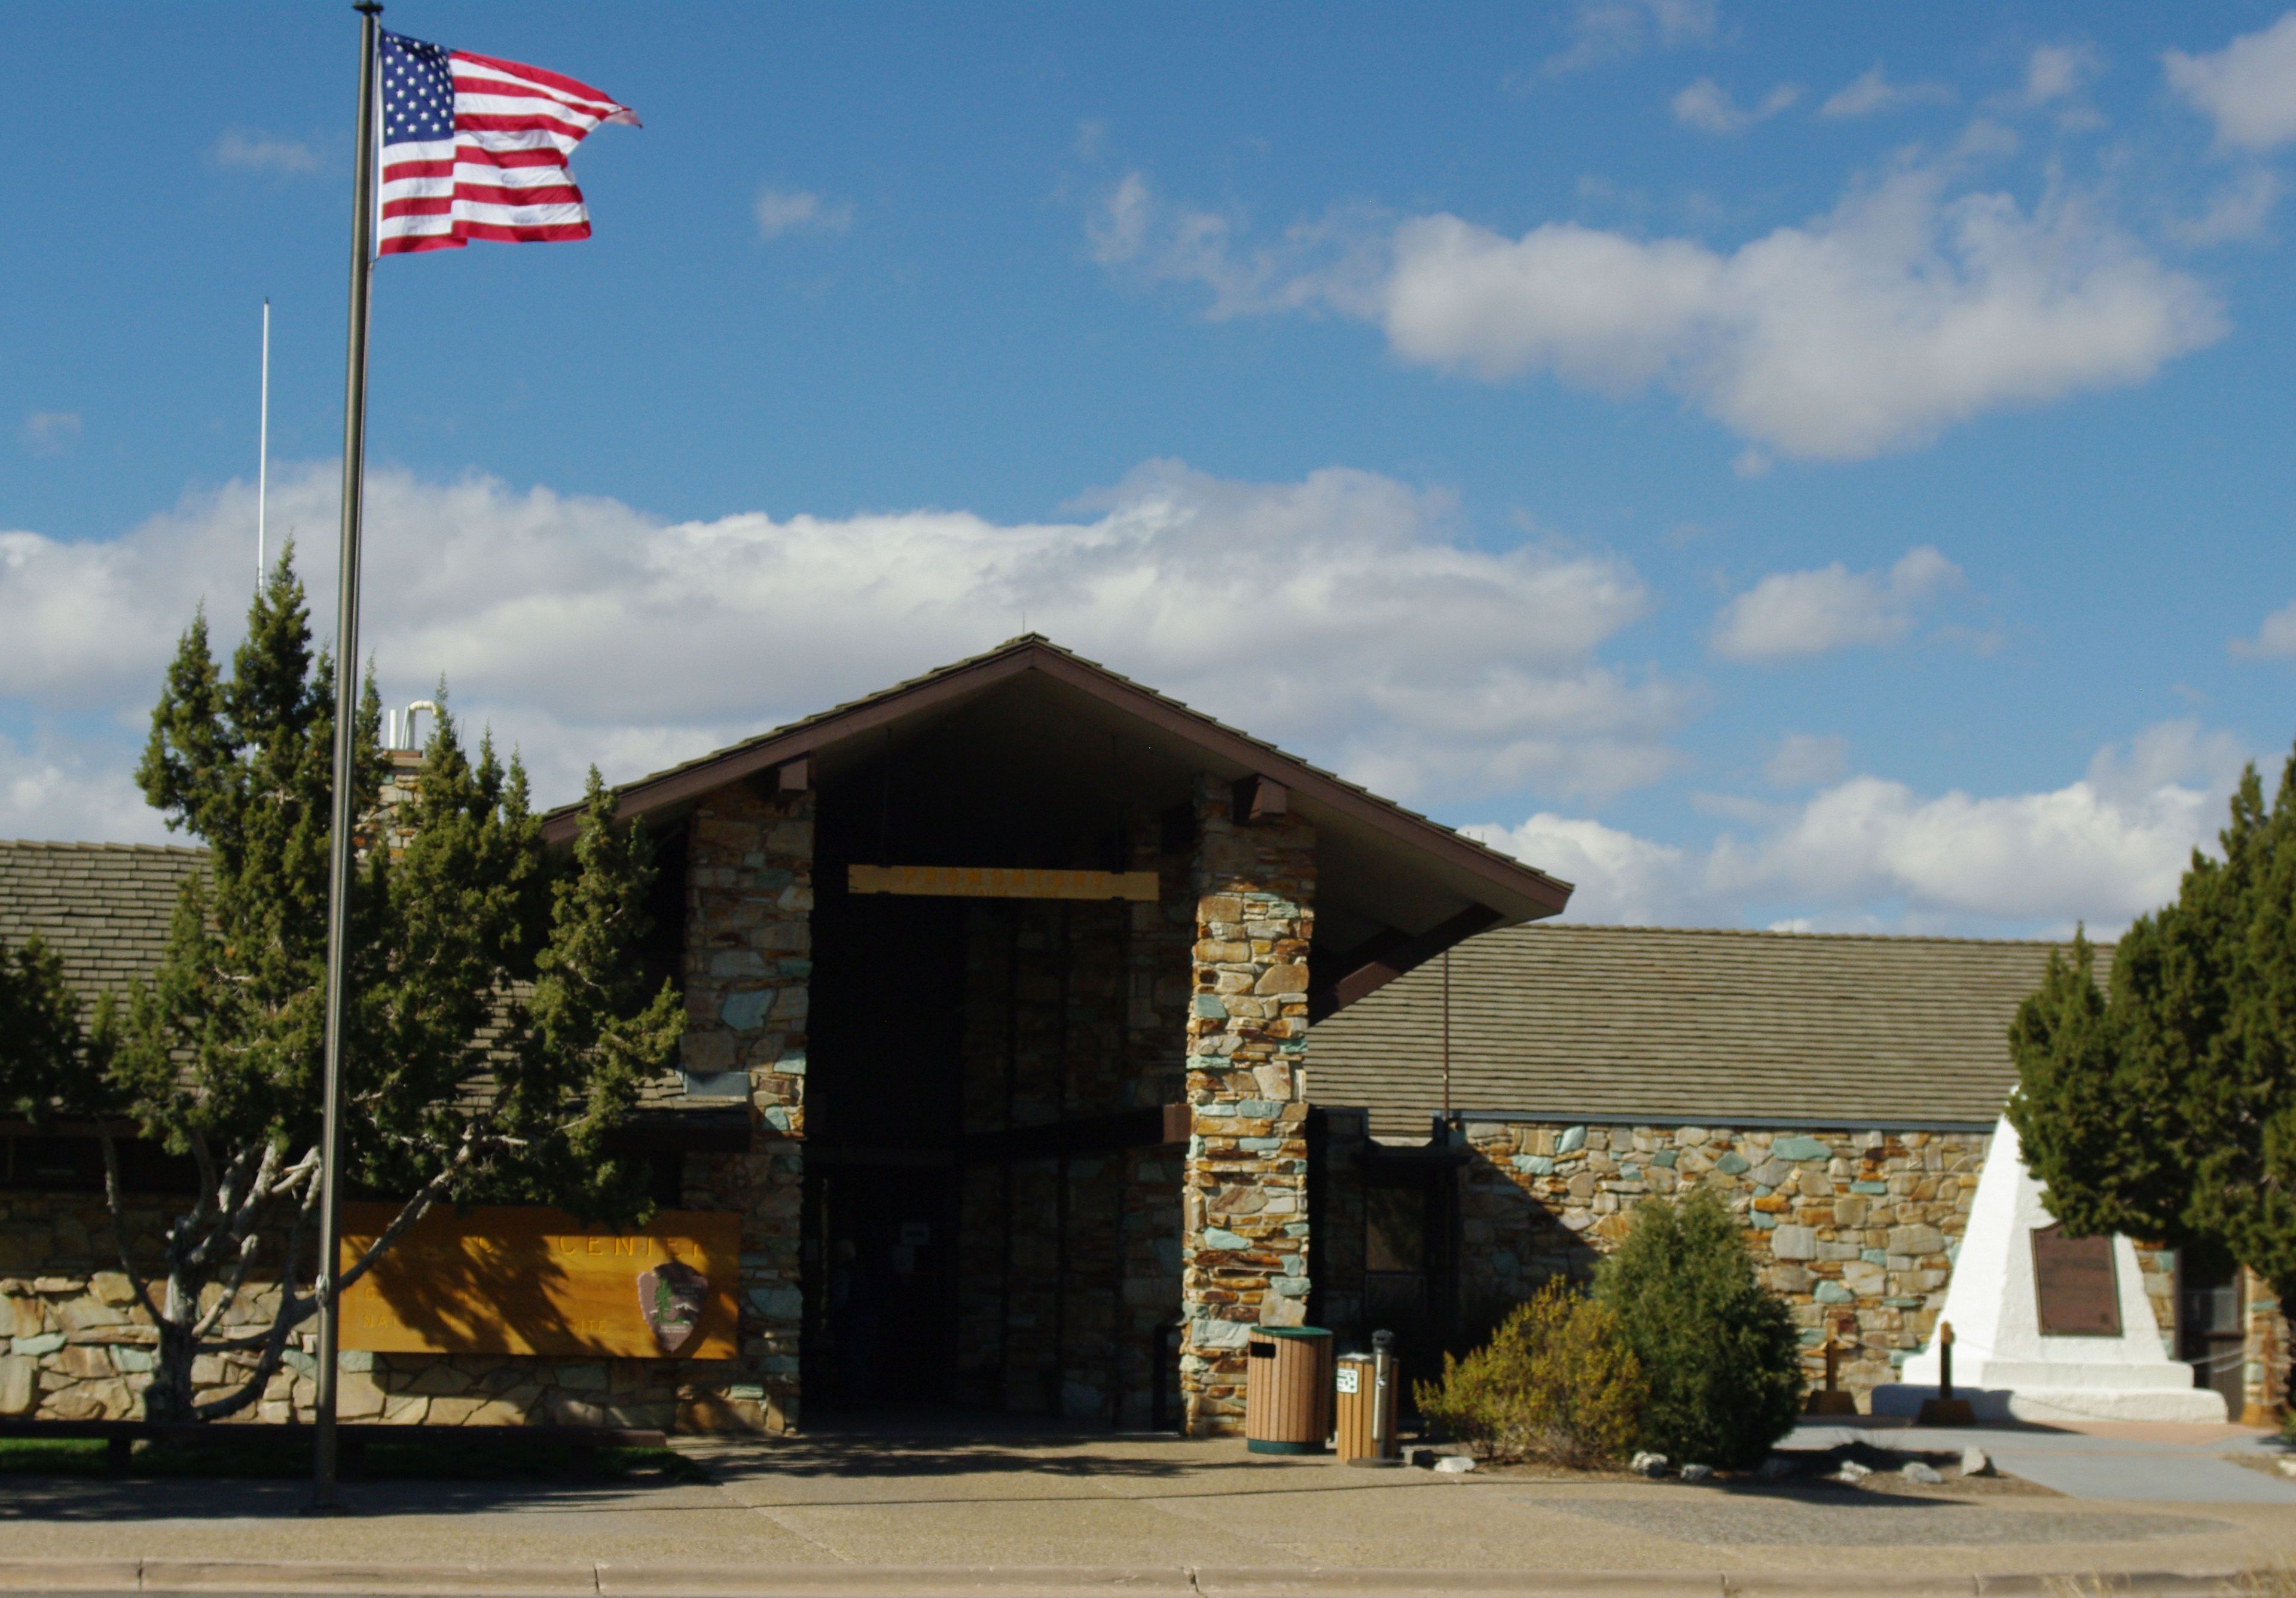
x=670 y=1296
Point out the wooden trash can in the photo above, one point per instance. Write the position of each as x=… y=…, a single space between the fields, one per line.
x=1359 y=1398
x=1287 y=1393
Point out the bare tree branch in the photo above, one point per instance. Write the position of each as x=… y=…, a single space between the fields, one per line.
x=115 y=1206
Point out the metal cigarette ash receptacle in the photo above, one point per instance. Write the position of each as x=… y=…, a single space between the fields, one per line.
x=1365 y=1399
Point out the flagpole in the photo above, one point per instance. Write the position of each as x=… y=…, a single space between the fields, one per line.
x=338 y=871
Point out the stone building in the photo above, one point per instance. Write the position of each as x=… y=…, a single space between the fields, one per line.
x=1520 y=1094
x=1044 y=1036
x=999 y=985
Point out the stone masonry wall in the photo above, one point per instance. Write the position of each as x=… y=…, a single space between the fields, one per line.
x=76 y=1346
x=1244 y=1227
x=749 y=971
x=2264 y=1374
x=1853 y=1227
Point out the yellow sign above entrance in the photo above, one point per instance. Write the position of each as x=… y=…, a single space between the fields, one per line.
x=1002 y=883
x=532 y=1280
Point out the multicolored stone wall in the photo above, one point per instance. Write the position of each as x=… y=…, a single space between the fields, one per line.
x=1244 y=1225
x=2265 y=1398
x=75 y=1345
x=1856 y=1228
x=749 y=970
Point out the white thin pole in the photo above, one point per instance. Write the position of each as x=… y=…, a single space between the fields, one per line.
x=263 y=446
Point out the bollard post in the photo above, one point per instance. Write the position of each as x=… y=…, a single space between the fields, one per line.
x=1945 y=1409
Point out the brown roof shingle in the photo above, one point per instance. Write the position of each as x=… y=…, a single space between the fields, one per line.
x=104 y=907
x=1638 y=1024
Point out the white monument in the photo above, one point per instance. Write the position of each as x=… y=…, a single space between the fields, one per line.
x=2047 y=1328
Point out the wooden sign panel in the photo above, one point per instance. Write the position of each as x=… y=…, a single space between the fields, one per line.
x=531 y=1281
x=2074 y=1285
x=1002 y=883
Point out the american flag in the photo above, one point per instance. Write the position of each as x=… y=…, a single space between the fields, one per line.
x=475 y=148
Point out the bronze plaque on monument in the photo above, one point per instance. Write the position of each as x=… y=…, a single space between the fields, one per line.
x=518 y=1280
x=2074 y=1285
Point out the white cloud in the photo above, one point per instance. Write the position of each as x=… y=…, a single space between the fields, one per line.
x=1607 y=31
x=1408 y=659
x=1707 y=106
x=1871 y=94
x=2055 y=72
x=1335 y=262
x=1617 y=877
x=1869 y=853
x=1871 y=329
x=2248 y=88
x=264 y=152
x=2276 y=640
x=1829 y=608
x=1900 y=313
x=50 y=432
x=1804 y=759
x=781 y=211
x=55 y=790
x=2239 y=210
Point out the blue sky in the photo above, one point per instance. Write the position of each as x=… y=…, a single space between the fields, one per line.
x=1778 y=465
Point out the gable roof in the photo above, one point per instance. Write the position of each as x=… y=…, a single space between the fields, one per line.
x=1659 y=1025
x=1513 y=890
x=102 y=908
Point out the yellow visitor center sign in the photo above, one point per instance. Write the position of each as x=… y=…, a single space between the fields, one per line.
x=531 y=1281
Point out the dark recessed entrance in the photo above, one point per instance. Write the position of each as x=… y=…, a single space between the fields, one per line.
x=991 y=1211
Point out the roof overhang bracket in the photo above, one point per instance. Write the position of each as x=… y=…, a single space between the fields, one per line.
x=1383 y=959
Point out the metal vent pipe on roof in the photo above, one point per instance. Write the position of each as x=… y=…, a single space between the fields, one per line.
x=409 y=726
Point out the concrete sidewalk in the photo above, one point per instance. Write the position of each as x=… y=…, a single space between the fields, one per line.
x=2126 y=1461
x=919 y=1514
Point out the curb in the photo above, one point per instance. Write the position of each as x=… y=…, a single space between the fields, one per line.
x=586 y=1579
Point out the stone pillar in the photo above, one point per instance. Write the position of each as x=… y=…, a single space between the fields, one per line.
x=749 y=971
x=1245 y=1222
x=2265 y=1398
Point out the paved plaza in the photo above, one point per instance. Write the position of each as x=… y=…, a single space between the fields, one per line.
x=839 y=1511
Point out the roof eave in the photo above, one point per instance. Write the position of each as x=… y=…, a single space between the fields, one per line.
x=1535 y=895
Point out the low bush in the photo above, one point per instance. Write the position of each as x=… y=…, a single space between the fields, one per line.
x=1718 y=1350
x=1555 y=1382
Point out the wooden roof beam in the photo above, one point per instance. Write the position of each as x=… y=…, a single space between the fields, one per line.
x=1383 y=959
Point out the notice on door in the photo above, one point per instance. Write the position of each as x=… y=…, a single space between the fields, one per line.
x=531 y=1281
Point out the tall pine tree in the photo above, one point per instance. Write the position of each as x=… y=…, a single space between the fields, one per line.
x=497 y=1029
x=2166 y=1106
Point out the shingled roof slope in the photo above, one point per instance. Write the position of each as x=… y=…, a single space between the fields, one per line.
x=104 y=907
x=1642 y=1024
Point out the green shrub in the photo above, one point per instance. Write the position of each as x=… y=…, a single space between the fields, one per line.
x=1555 y=1382
x=1718 y=1349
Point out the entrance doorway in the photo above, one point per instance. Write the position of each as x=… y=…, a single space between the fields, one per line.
x=2212 y=1322
x=991 y=1213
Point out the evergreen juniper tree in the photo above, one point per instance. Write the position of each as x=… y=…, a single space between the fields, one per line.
x=497 y=1026
x=1718 y=1349
x=45 y=1054
x=2165 y=1107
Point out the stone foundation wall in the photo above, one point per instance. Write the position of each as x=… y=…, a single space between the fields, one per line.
x=1853 y=1227
x=76 y=1346
x=1244 y=1241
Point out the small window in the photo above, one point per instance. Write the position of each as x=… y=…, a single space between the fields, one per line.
x=1395 y=1229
